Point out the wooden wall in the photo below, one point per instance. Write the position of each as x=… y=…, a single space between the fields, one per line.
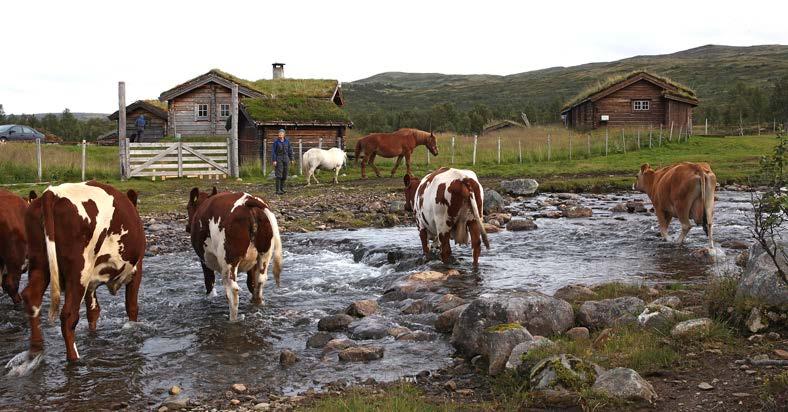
x=678 y=113
x=251 y=151
x=618 y=106
x=183 y=112
x=155 y=129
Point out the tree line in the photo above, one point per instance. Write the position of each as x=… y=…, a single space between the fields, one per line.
x=741 y=104
x=65 y=125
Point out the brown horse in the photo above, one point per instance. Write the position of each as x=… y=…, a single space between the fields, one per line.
x=398 y=144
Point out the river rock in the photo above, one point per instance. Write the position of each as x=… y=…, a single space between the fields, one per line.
x=446 y=320
x=626 y=384
x=636 y=206
x=691 y=328
x=735 y=244
x=502 y=218
x=395 y=331
x=761 y=283
x=339 y=344
x=396 y=206
x=493 y=202
x=498 y=342
x=319 y=339
x=519 y=225
x=670 y=301
x=522 y=348
x=490 y=228
x=578 y=333
x=287 y=357
x=238 y=388
x=520 y=187
x=416 y=336
x=599 y=314
x=448 y=302
x=158 y=227
x=563 y=371
x=175 y=403
x=573 y=211
x=755 y=323
x=538 y=313
x=362 y=308
x=334 y=323
x=361 y=354
x=415 y=307
x=656 y=316
x=370 y=327
x=619 y=208
x=574 y=293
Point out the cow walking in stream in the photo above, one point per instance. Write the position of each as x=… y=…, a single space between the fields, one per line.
x=234 y=232
x=447 y=205
x=13 y=242
x=399 y=144
x=81 y=236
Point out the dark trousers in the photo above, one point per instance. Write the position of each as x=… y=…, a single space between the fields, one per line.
x=280 y=171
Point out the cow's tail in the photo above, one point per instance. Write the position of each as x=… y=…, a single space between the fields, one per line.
x=54 y=270
x=477 y=217
x=276 y=240
x=357 y=153
x=707 y=188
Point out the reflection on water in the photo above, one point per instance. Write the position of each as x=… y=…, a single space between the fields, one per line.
x=185 y=337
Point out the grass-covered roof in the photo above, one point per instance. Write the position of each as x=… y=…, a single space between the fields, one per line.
x=680 y=89
x=295 y=109
x=315 y=88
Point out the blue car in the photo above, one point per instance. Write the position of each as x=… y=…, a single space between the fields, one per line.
x=15 y=132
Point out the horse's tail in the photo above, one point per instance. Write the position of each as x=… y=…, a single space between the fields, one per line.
x=357 y=153
x=49 y=239
x=477 y=213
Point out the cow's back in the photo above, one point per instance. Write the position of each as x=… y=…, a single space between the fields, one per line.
x=434 y=203
x=12 y=228
x=679 y=186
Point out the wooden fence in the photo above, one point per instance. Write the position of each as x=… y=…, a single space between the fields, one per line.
x=178 y=159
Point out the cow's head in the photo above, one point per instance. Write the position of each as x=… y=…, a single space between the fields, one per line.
x=644 y=178
x=196 y=198
x=30 y=197
x=132 y=195
x=432 y=144
x=411 y=184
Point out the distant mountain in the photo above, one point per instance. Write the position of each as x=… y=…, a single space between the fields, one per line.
x=711 y=70
x=78 y=115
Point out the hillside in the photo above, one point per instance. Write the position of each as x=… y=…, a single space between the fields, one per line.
x=711 y=70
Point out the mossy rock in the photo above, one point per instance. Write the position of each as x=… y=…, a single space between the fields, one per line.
x=563 y=372
x=504 y=327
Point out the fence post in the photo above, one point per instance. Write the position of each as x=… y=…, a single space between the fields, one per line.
x=606 y=139
x=84 y=158
x=38 y=157
x=320 y=143
x=649 y=136
x=681 y=128
x=428 y=157
x=122 y=129
x=452 y=150
x=706 y=128
x=520 y=150
x=265 y=158
x=499 y=149
x=670 y=137
x=570 y=145
x=588 y=143
x=300 y=157
x=549 y=148
x=180 y=158
x=234 y=172
x=623 y=141
x=638 y=138
x=475 y=141
x=660 y=135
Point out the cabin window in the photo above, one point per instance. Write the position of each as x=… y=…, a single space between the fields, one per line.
x=224 y=110
x=202 y=111
x=641 y=105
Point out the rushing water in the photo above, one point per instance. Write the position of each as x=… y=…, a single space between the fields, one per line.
x=185 y=337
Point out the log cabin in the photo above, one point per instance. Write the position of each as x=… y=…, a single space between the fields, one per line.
x=309 y=109
x=156 y=118
x=635 y=100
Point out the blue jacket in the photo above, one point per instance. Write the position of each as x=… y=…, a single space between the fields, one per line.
x=140 y=122
x=282 y=151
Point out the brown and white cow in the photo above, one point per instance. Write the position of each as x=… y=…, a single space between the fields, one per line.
x=447 y=205
x=13 y=242
x=234 y=232
x=684 y=191
x=81 y=236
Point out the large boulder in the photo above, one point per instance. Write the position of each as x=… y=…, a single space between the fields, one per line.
x=626 y=384
x=334 y=323
x=370 y=327
x=563 y=371
x=446 y=320
x=418 y=285
x=575 y=292
x=540 y=314
x=362 y=308
x=657 y=316
x=520 y=187
x=519 y=225
x=498 y=342
x=599 y=314
x=671 y=301
x=692 y=328
x=761 y=283
x=447 y=302
x=522 y=349
x=493 y=202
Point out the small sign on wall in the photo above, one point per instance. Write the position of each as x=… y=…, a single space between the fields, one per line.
x=604 y=118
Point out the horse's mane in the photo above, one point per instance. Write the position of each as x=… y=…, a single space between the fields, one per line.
x=415 y=132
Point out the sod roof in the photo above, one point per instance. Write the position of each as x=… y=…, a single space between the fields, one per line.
x=315 y=88
x=295 y=109
x=671 y=87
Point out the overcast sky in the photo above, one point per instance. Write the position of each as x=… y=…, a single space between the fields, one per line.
x=59 y=54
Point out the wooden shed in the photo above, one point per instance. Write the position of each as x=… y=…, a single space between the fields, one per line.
x=501 y=125
x=155 y=118
x=637 y=99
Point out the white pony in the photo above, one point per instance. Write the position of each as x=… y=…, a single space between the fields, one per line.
x=331 y=159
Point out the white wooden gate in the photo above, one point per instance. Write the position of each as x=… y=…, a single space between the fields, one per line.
x=178 y=159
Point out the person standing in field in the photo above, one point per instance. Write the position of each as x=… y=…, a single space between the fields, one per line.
x=282 y=155
x=140 y=123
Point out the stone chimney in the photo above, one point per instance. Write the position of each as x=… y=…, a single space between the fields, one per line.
x=279 y=70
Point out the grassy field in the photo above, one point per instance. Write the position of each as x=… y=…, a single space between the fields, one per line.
x=733 y=159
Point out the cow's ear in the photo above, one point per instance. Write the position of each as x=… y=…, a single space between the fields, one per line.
x=193 y=195
x=32 y=196
x=132 y=195
x=214 y=191
x=644 y=167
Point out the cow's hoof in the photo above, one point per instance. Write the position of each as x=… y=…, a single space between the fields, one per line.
x=257 y=302
x=17 y=299
x=92 y=326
